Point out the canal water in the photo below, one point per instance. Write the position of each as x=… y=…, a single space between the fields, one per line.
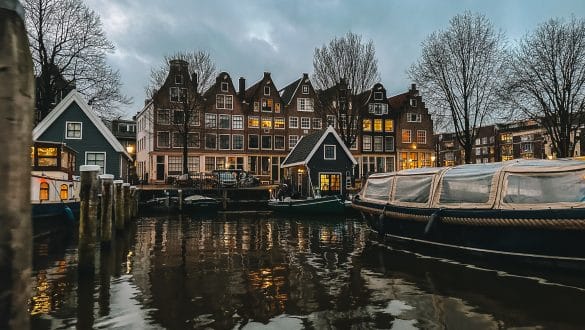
x=248 y=271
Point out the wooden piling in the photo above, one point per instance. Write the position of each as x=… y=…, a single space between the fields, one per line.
x=180 y=192
x=107 y=189
x=126 y=197
x=16 y=114
x=133 y=198
x=118 y=205
x=87 y=217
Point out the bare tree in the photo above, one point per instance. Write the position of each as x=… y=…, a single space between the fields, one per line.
x=69 y=51
x=460 y=70
x=200 y=73
x=546 y=80
x=344 y=69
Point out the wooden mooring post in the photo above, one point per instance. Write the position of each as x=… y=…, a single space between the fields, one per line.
x=88 y=217
x=118 y=205
x=180 y=193
x=133 y=201
x=126 y=198
x=107 y=202
x=16 y=114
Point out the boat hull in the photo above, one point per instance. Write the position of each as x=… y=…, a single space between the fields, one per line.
x=541 y=236
x=325 y=205
x=54 y=210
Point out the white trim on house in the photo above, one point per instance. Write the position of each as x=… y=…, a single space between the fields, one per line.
x=325 y=151
x=74 y=96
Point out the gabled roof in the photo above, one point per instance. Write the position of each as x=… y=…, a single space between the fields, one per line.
x=287 y=93
x=251 y=91
x=397 y=101
x=309 y=144
x=74 y=96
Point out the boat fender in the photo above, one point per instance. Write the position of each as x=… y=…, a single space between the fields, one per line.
x=68 y=213
x=433 y=223
x=381 y=217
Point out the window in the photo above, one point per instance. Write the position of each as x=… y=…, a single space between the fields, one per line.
x=178 y=116
x=279 y=123
x=178 y=94
x=378 y=125
x=317 y=123
x=354 y=145
x=238 y=142
x=293 y=122
x=193 y=164
x=492 y=139
x=253 y=141
x=389 y=143
x=406 y=136
x=421 y=136
x=209 y=164
x=266 y=142
x=484 y=140
x=329 y=152
x=224 y=102
x=329 y=182
x=193 y=140
x=277 y=107
x=526 y=147
x=178 y=79
x=73 y=130
x=210 y=141
x=331 y=120
x=413 y=102
x=304 y=104
x=96 y=158
x=224 y=121
x=64 y=192
x=305 y=89
x=266 y=90
x=378 y=147
x=378 y=95
x=253 y=122
x=367 y=125
x=175 y=165
x=477 y=151
x=210 y=120
x=224 y=87
x=224 y=142
x=279 y=142
x=413 y=117
x=44 y=191
x=163 y=139
x=266 y=105
x=477 y=141
x=388 y=125
x=266 y=122
x=256 y=106
x=305 y=122
x=177 y=140
x=343 y=121
x=506 y=138
x=378 y=108
x=292 y=141
x=237 y=122
x=367 y=142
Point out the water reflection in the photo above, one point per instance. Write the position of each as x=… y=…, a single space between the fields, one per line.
x=235 y=271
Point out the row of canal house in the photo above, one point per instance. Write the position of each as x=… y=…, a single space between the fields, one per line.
x=255 y=128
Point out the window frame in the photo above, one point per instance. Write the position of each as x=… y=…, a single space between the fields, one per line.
x=233 y=141
x=67 y=137
x=296 y=119
x=325 y=146
x=409 y=135
x=105 y=160
x=238 y=119
x=158 y=145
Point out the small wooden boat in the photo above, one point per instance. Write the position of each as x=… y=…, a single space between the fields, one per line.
x=319 y=205
x=200 y=203
x=528 y=209
x=54 y=188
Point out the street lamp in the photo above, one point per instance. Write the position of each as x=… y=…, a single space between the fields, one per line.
x=433 y=160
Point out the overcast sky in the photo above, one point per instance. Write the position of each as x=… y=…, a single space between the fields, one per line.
x=249 y=37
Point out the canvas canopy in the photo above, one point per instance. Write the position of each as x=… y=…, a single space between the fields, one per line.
x=469 y=184
x=378 y=188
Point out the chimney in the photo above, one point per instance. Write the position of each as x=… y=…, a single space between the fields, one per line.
x=194 y=81
x=266 y=74
x=413 y=87
x=242 y=88
x=305 y=76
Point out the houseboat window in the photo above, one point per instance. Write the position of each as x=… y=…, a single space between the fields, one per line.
x=44 y=191
x=467 y=185
x=378 y=188
x=47 y=156
x=413 y=189
x=64 y=192
x=545 y=188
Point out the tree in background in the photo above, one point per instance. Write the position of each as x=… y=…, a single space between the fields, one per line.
x=344 y=69
x=546 y=80
x=69 y=51
x=460 y=71
x=200 y=73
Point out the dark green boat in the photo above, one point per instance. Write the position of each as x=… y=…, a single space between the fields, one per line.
x=320 y=205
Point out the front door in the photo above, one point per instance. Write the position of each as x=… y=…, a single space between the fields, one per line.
x=160 y=168
x=330 y=183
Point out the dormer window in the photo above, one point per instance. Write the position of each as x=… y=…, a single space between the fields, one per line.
x=224 y=87
x=179 y=79
x=413 y=102
x=378 y=95
x=266 y=90
x=305 y=89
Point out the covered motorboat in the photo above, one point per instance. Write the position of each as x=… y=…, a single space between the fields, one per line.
x=533 y=209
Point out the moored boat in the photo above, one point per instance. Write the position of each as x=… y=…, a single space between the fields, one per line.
x=54 y=188
x=200 y=203
x=528 y=209
x=318 y=205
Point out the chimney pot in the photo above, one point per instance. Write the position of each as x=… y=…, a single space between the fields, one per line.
x=242 y=87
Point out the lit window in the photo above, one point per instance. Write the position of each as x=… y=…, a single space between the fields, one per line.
x=253 y=122
x=277 y=107
x=367 y=125
x=64 y=192
x=377 y=125
x=256 y=106
x=329 y=152
x=406 y=136
x=279 y=123
x=266 y=105
x=388 y=125
x=266 y=122
x=44 y=191
x=73 y=130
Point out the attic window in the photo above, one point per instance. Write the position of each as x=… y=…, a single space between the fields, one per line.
x=413 y=102
x=179 y=79
x=305 y=89
x=266 y=90
x=329 y=152
x=378 y=95
x=224 y=87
